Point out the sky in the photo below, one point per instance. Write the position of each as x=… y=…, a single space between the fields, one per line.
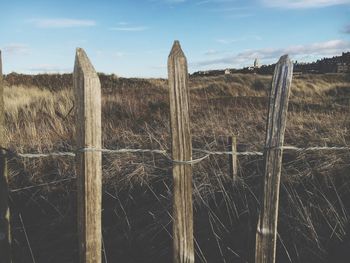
x=133 y=38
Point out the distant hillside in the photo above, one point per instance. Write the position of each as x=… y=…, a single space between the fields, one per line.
x=336 y=64
x=61 y=81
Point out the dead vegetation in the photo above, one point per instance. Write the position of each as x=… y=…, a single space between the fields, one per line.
x=314 y=205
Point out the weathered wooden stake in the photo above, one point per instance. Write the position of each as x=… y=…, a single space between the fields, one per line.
x=233 y=157
x=87 y=91
x=183 y=248
x=277 y=116
x=5 y=234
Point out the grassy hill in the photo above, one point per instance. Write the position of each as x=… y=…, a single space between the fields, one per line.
x=315 y=190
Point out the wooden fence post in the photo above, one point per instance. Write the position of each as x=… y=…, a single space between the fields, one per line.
x=277 y=116
x=233 y=157
x=183 y=248
x=5 y=234
x=87 y=92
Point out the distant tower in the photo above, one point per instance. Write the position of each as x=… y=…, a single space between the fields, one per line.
x=256 y=63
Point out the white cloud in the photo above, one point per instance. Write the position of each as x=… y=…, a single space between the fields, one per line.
x=118 y=54
x=271 y=55
x=129 y=28
x=346 y=29
x=234 y=40
x=109 y=54
x=230 y=9
x=211 y=52
x=48 y=68
x=303 y=3
x=241 y=15
x=175 y=1
x=61 y=22
x=170 y=2
x=15 y=49
x=159 y=67
x=203 y=2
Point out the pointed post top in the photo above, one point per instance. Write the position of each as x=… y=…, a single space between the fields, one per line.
x=83 y=63
x=283 y=74
x=176 y=50
x=284 y=59
x=177 y=43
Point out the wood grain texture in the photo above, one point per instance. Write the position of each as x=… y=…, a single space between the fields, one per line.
x=233 y=157
x=5 y=235
x=87 y=92
x=182 y=151
x=277 y=117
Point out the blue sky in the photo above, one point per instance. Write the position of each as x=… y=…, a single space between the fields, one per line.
x=133 y=38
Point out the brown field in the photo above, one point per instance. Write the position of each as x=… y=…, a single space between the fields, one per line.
x=315 y=190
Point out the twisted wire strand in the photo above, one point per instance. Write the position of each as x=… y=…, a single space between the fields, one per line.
x=111 y=151
x=164 y=152
x=317 y=148
x=227 y=152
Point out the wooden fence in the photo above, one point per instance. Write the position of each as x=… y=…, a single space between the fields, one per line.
x=87 y=90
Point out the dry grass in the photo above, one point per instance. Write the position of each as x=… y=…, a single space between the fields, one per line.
x=137 y=202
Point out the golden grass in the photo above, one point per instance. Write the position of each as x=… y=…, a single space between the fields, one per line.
x=39 y=120
x=314 y=186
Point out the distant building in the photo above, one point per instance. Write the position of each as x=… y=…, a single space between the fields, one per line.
x=206 y=72
x=343 y=67
x=335 y=64
x=256 y=63
x=295 y=73
x=346 y=57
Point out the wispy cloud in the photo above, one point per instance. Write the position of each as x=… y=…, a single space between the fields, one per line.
x=303 y=3
x=241 y=15
x=168 y=2
x=117 y=54
x=174 y=1
x=129 y=28
x=211 y=52
x=224 y=6
x=269 y=55
x=230 y=8
x=204 y=2
x=109 y=54
x=15 y=49
x=48 y=68
x=226 y=41
x=61 y=22
x=159 y=67
x=346 y=29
